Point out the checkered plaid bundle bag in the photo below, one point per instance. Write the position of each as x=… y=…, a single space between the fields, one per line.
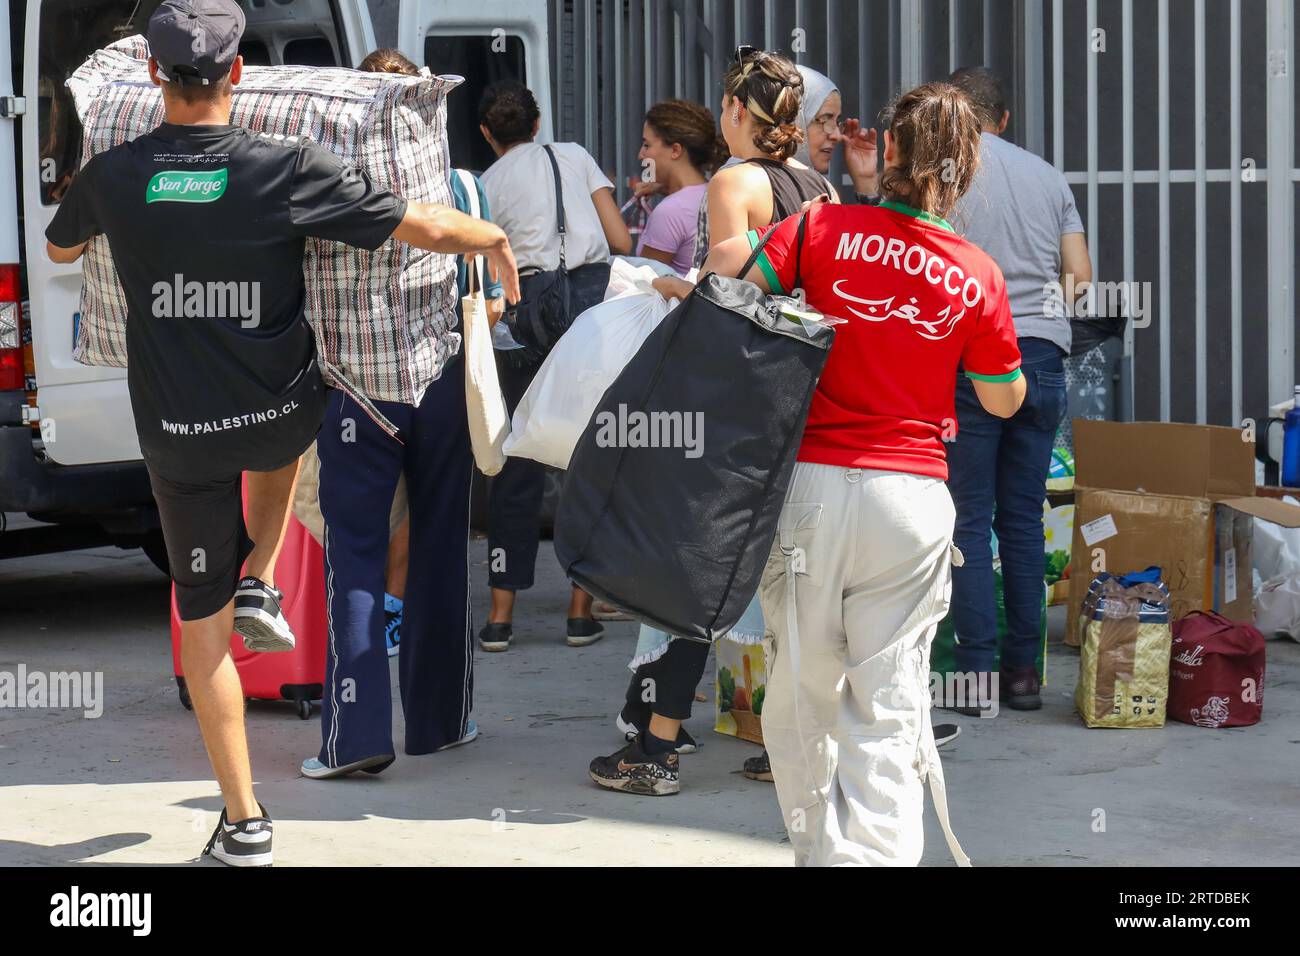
x=382 y=319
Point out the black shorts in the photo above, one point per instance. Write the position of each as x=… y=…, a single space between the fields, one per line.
x=207 y=543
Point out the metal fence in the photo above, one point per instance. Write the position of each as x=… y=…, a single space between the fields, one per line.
x=1174 y=122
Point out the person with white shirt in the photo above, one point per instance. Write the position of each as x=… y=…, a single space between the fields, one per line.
x=521 y=191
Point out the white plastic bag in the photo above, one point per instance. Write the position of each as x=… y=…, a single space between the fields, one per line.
x=627 y=273
x=1275 y=551
x=555 y=410
x=1277 y=608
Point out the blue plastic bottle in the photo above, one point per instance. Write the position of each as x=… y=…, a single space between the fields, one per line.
x=1291 y=445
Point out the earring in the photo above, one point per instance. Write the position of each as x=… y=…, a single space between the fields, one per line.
x=735 y=116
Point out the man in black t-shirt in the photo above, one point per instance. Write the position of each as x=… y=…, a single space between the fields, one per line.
x=207 y=224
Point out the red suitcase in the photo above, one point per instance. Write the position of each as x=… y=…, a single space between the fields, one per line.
x=297 y=675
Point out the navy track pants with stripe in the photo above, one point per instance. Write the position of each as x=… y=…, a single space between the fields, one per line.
x=360 y=466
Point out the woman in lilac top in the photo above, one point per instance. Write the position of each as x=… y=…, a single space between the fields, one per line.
x=680 y=148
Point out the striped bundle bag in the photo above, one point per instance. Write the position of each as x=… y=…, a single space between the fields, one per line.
x=383 y=319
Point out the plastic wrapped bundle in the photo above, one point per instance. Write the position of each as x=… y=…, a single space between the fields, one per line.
x=1124 y=655
x=382 y=319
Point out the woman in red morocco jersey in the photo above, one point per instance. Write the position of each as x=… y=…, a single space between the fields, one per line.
x=859 y=574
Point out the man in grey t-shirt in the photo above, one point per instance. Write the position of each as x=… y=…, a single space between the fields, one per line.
x=1021 y=212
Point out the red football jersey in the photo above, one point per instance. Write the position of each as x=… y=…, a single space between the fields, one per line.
x=919 y=302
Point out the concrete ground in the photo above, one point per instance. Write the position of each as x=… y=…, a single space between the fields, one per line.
x=133 y=787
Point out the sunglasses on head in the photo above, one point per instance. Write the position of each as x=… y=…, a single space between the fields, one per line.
x=745 y=51
x=885 y=118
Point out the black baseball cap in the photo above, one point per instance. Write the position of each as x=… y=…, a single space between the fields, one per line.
x=195 y=41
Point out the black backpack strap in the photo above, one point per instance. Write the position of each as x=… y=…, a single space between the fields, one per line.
x=559 y=200
x=798 y=249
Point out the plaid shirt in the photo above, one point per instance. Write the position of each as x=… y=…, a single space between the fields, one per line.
x=383 y=319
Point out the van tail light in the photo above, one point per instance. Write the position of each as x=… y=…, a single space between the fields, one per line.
x=11 y=330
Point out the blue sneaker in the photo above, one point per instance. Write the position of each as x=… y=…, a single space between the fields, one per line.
x=392 y=624
x=471 y=732
x=313 y=769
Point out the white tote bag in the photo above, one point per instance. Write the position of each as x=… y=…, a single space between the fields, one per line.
x=489 y=422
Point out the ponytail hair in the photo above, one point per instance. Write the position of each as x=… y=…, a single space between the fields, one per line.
x=771 y=88
x=936 y=135
x=692 y=126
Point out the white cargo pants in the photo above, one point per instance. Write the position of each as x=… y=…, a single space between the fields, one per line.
x=858 y=579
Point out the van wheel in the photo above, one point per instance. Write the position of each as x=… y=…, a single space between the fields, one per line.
x=156 y=551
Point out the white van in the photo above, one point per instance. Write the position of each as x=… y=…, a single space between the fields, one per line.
x=68 y=450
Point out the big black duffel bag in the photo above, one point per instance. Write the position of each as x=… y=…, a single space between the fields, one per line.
x=671 y=521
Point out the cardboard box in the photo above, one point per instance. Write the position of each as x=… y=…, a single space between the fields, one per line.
x=1178 y=496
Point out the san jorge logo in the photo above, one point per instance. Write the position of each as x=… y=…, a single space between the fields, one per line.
x=174 y=185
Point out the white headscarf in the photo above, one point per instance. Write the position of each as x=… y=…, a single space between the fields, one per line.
x=817 y=89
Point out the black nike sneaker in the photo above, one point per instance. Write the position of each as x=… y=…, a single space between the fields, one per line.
x=686 y=744
x=258 y=618
x=632 y=770
x=246 y=843
x=758 y=768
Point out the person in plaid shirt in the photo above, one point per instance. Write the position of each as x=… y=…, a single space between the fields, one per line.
x=207 y=224
x=360 y=467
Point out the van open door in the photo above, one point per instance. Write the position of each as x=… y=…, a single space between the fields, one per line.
x=484 y=41
x=85 y=412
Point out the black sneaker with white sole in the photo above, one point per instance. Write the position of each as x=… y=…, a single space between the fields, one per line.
x=686 y=744
x=758 y=768
x=945 y=734
x=583 y=631
x=258 y=618
x=495 y=637
x=632 y=770
x=246 y=843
